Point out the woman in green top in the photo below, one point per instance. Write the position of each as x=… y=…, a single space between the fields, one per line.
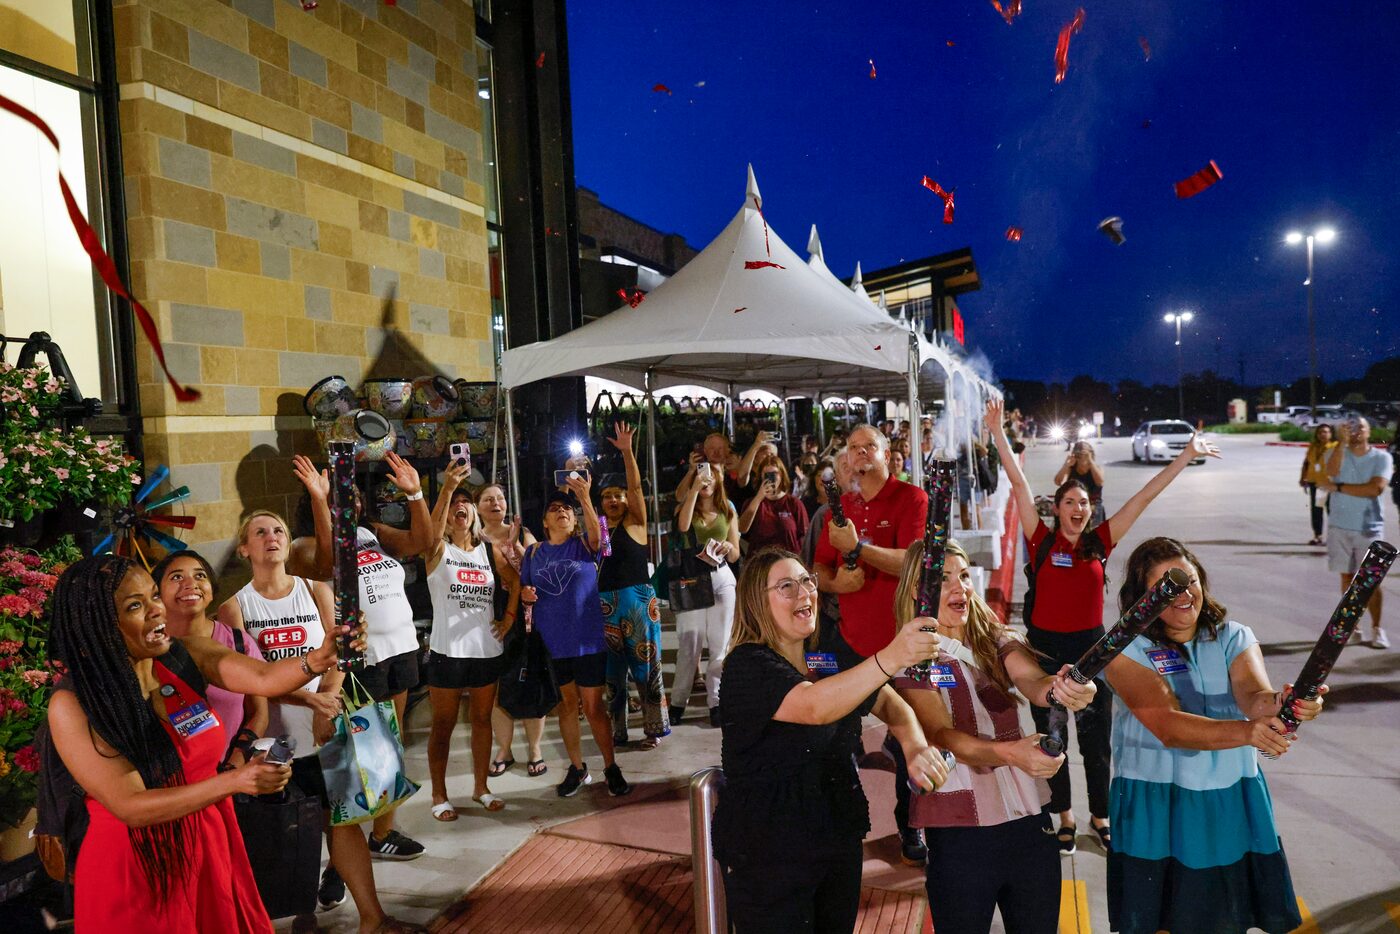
x=705 y=511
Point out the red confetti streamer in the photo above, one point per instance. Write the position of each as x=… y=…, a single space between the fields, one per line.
x=760 y=264
x=872 y=69
x=1062 y=46
x=661 y=87
x=93 y=247
x=877 y=346
x=1014 y=234
x=1195 y=184
x=947 y=197
x=633 y=299
x=1146 y=49
x=759 y=208
x=539 y=62
x=309 y=5
x=737 y=310
x=1008 y=12
x=950 y=43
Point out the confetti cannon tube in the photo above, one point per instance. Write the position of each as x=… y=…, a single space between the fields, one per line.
x=838 y=515
x=1345 y=618
x=930 y=590
x=1132 y=624
x=345 y=570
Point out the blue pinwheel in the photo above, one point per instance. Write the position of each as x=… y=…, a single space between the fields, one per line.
x=139 y=521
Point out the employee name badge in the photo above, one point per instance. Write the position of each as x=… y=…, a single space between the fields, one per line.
x=942 y=676
x=821 y=663
x=1062 y=559
x=192 y=720
x=1166 y=661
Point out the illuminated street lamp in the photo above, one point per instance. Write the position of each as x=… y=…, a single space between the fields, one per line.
x=1177 y=317
x=1323 y=235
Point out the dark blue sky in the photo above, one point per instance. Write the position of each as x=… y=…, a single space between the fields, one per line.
x=1295 y=101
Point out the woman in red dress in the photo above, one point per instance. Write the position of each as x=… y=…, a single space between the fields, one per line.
x=163 y=851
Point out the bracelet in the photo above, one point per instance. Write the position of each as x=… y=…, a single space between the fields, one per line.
x=310 y=672
x=414 y=497
x=876 y=657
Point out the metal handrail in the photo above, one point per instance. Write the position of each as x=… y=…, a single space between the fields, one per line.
x=711 y=914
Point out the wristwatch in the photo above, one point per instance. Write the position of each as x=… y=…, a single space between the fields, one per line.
x=854 y=553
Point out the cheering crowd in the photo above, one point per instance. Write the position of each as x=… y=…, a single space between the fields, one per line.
x=802 y=610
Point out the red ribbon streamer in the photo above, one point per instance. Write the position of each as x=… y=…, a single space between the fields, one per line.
x=661 y=87
x=1014 y=234
x=93 y=247
x=761 y=264
x=1062 y=46
x=633 y=299
x=1199 y=182
x=1146 y=49
x=539 y=62
x=737 y=310
x=872 y=69
x=1008 y=12
x=759 y=208
x=947 y=197
x=309 y=5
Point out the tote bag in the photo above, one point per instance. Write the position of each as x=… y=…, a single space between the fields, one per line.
x=689 y=586
x=363 y=761
x=282 y=834
x=527 y=689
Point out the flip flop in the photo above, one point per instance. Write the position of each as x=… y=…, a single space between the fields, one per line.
x=444 y=811
x=499 y=767
x=535 y=768
x=490 y=802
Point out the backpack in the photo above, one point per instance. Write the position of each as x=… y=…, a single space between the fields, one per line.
x=1032 y=568
x=62 y=802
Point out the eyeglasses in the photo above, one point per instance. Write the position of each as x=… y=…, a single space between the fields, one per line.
x=790 y=589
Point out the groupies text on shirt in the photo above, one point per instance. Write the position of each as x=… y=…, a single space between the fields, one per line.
x=373 y=563
x=472 y=586
x=284 y=636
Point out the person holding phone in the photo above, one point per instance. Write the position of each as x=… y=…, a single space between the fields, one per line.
x=774 y=516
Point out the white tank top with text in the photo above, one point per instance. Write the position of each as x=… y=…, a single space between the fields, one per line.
x=463 y=590
x=383 y=603
x=288 y=627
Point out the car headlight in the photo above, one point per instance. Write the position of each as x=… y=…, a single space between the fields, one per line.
x=1157 y=443
x=1086 y=431
x=1057 y=432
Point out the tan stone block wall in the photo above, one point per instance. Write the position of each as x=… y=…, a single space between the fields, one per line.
x=285 y=172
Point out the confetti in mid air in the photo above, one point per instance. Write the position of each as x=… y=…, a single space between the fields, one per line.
x=737 y=310
x=1008 y=12
x=1146 y=49
x=632 y=298
x=947 y=197
x=659 y=88
x=1195 y=184
x=1013 y=234
x=872 y=68
x=761 y=264
x=539 y=62
x=950 y=43
x=1062 y=46
x=877 y=346
x=309 y=5
x=1112 y=228
x=759 y=208
x=699 y=84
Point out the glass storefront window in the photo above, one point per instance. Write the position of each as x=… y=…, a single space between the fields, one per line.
x=485 y=92
x=50 y=32
x=496 y=272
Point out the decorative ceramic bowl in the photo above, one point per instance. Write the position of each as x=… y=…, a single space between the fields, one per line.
x=391 y=504
x=370 y=432
x=403 y=444
x=434 y=397
x=477 y=434
x=324 y=427
x=389 y=397
x=476 y=400
x=331 y=398
x=427 y=436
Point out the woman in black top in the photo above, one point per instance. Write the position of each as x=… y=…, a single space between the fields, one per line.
x=792 y=814
x=631 y=614
x=1081 y=466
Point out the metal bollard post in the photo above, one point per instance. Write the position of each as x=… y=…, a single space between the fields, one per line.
x=710 y=914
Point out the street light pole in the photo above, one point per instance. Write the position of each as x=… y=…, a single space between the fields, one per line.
x=1176 y=318
x=1322 y=235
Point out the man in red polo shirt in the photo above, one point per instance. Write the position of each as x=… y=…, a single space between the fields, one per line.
x=885 y=516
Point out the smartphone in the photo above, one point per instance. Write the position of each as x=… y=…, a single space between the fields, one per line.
x=702 y=471
x=561 y=477
x=771 y=476
x=460 y=453
x=775 y=436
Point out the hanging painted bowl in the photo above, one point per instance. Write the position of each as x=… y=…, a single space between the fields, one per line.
x=434 y=397
x=476 y=400
x=391 y=504
x=427 y=437
x=391 y=398
x=403 y=441
x=331 y=398
x=370 y=432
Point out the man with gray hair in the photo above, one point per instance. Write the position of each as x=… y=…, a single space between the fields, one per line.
x=1359 y=476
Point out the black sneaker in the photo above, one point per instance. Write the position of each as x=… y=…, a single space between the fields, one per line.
x=676 y=713
x=394 y=846
x=714 y=717
x=332 y=890
x=911 y=847
x=573 y=781
x=1064 y=837
x=617 y=785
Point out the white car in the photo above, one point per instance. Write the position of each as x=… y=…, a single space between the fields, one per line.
x=1162 y=440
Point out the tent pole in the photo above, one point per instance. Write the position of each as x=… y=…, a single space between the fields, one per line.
x=821 y=421
x=511 y=459
x=655 y=549
x=916 y=469
x=729 y=413
x=787 y=427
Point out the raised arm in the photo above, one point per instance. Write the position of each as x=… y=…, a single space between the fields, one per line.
x=686 y=511
x=1334 y=460
x=751 y=510
x=623 y=434
x=452 y=479
x=995 y=420
x=419 y=537
x=1063 y=473
x=1121 y=521
x=593 y=530
x=314 y=563
x=746 y=465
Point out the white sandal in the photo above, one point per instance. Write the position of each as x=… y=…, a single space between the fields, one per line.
x=444 y=811
x=490 y=802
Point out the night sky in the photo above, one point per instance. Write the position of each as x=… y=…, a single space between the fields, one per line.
x=1296 y=102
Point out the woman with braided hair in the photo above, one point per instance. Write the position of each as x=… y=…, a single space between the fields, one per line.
x=130 y=721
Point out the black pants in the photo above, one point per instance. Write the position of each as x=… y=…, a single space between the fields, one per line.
x=1013 y=866
x=815 y=893
x=1093 y=724
x=1315 y=510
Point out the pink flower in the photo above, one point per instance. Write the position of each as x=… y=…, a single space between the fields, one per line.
x=35 y=677
x=27 y=759
x=29 y=383
x=18 y=606
x=61 y=473
x=36 y=596
x=30 y=559
x=9 y=647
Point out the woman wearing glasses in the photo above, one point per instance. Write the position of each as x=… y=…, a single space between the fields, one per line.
x=791 y=816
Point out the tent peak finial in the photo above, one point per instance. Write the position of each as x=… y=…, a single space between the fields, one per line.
x=752 y=194
x=814 y=245
x=856 y=280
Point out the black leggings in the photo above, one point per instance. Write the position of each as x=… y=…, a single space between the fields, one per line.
x=1316 y=510
x=1093 y=725
x=1013 y=866
x=819 y=893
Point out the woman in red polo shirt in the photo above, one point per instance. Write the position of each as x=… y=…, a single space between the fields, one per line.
x=774 y=516
x=1064 y=605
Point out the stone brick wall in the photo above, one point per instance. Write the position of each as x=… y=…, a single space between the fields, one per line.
x=304 y=195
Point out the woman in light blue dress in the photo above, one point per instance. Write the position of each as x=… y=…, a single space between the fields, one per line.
x=1195 y=847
